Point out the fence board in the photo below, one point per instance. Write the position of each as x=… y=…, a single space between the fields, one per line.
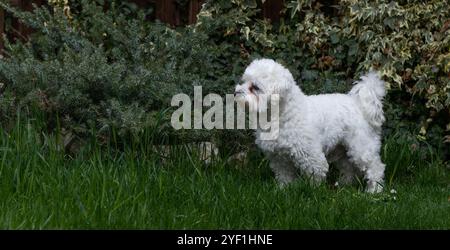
x=18 y=27
x=194 y=8
x=271 y=9
x=25 y=31
x=2 y=28
x=167 y=11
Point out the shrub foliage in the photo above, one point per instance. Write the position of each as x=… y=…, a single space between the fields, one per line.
x=99 y=69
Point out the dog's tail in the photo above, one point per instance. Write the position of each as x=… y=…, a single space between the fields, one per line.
x=369 y=93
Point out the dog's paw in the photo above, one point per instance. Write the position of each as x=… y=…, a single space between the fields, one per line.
x=374 y=187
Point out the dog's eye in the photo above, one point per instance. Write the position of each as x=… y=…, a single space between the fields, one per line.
x=254 y=88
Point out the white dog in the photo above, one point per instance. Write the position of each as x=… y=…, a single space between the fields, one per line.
x=317 y=129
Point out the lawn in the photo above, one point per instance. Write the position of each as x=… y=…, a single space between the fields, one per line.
x=42 y=188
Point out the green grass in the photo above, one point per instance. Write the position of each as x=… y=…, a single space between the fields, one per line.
x=41 y=188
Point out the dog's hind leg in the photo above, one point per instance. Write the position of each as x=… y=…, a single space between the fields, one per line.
x=363 y=150
x=313 y=163
x=285 y=173
x=374 y=176
x=347 y=171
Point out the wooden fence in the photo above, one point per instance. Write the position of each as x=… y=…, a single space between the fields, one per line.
x=166 y=11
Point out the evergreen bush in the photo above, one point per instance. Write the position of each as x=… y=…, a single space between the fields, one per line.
x=95 y=67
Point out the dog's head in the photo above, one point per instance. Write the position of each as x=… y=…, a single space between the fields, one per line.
x=262 y=79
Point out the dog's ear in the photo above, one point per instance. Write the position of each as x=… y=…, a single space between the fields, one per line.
x=284 y=83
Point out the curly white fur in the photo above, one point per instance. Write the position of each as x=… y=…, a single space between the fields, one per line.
x=317 y=129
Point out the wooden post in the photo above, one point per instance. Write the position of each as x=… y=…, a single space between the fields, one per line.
x=271 y=9
x=194 y=8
